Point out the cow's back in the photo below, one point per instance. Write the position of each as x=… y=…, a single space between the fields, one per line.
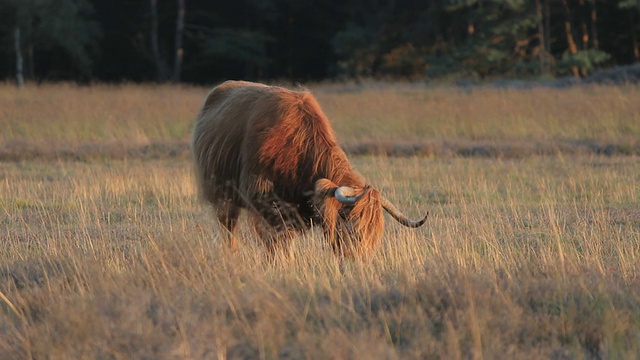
x=217 y=141
x=225 y=135
x=250 y=135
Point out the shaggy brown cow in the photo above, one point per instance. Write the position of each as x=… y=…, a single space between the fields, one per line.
x=273 y=152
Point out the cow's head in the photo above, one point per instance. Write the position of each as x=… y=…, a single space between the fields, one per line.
x=352 y=217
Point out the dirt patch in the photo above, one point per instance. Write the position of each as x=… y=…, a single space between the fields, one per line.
x=492 y=150
x=21 y=151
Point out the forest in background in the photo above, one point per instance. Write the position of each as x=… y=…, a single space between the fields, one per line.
x=200 y=41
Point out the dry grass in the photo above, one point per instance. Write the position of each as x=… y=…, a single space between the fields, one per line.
x=414 y=113
x=145 y=121
x=65 y=115
x=536 y=257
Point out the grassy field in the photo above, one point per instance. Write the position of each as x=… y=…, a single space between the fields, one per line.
x=71 y=122
x=106 y=253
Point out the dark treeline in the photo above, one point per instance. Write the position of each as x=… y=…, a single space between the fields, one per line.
x=204 y=41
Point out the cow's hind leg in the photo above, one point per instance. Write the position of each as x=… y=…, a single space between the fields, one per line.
x=276 y=223
x=277 y=241
x=227 y=214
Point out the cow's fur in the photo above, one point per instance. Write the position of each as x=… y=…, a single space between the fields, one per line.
x=272 y=151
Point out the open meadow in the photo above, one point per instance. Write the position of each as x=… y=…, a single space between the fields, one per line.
x=531 y=250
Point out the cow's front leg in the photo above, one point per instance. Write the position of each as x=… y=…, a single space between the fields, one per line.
x=276 y=222
x=227 y=214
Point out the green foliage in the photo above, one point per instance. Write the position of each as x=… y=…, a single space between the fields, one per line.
x=242 y=45
x=405 y=60
x=497 y=35
x=586 y=60
x=626 y=4
x=357 y=47
x=65 y=23
x=309 y=40
x=58 y=25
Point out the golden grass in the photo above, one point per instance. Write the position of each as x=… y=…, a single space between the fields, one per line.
x=532 y=257
x=415 y=113
x=64 y=115
x=68 y=116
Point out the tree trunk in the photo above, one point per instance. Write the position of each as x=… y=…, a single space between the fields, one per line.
x=633 y=29
x=634 y=40
x=546 y=9
x=542 y=53
x=177 y=69
x=30 y=66
x=583 y=26
x=594 y=26
x=19 y=61
x=161 y=67
x=571 y=43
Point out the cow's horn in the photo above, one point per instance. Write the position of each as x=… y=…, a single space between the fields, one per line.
x=400 y=217
x=347 y=195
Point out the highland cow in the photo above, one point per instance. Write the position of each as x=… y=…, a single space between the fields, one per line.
x=272 y=152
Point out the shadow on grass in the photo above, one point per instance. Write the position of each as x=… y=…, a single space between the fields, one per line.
x=24 y=151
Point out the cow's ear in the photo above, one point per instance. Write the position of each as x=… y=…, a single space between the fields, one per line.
x=325 y=188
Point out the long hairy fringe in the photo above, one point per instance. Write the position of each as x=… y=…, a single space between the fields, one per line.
x=327 y=207
x=369 y=220
x=366 y=219
x=301 y=134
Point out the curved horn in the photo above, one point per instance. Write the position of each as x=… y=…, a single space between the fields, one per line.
x=400 y=217
x=347 y=195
